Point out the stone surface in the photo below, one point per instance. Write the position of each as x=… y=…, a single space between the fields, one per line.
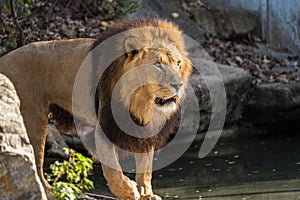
x=236 y=82
x=171 y=10
x=18 y=176
x=269 y=103
x=224 y=23
x=278 y=20
x=55 y=143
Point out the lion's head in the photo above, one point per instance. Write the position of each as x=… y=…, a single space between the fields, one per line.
x=156 y=55
x=149 y=79
x=164 y=74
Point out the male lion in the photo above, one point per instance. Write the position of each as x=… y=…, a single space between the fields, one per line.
x=44 y=74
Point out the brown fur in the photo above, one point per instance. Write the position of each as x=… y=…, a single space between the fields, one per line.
x=44 y=73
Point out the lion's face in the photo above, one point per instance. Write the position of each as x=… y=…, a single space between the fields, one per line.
x=165 y=76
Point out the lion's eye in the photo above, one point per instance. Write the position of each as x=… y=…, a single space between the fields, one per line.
x=158 y=66
x=179 y=64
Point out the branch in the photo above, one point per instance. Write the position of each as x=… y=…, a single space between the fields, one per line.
x=14 y=15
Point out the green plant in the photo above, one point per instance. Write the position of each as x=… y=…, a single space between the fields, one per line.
x=70 y=178
x=18 y=9
x=128 y=7
x=117 y=8
x=15 y=32
x=23 y=3
x=69 y=32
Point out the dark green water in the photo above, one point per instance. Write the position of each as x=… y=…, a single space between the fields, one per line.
x=241 y=166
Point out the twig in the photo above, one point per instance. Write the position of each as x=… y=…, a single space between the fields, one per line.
x=68 y=5
x=3 y=22
x=97 y=197
x=14 y=15
x=87 y=10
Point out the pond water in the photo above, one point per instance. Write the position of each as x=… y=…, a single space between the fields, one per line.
x=241 y=166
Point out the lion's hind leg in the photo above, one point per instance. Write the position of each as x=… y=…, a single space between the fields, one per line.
x=34 y=114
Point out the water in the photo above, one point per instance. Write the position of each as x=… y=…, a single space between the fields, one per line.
x=241 y=166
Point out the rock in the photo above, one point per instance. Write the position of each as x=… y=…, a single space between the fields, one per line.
x=237 y=83
x=270 y=103
x=171 y=10
x=18 y=176
x=75 y=143
x=57 y=140
x=224 y=23
x=55 y=143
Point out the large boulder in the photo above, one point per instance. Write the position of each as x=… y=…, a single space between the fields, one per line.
x=18 y=176
x=236 y=83
x=272 y=103
x=224 y=23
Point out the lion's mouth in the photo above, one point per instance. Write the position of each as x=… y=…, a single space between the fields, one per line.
x=162 y=101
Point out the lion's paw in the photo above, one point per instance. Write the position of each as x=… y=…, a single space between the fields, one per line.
x=150 y=197
x=127 y=190
x=136 y=193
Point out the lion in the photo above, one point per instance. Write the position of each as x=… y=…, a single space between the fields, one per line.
x=44 y=74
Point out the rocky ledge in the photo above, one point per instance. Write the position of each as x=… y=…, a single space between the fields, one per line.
x=272 y=103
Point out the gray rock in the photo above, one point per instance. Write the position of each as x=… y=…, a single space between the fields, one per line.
x=224 y=23
x=18 y=176
x=236 y=83
x=269 y=103
x=165 y=9
x=55 y=143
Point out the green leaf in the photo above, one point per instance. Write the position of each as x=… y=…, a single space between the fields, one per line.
x=26 y=13
x=6 y=5
x=79 y=156
x=66 y=150
x=76 y=173
x=11 y=44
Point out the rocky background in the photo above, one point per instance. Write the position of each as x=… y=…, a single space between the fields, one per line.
x=262 y=82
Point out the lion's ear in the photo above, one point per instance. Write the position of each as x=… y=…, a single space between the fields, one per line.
x=131 y=46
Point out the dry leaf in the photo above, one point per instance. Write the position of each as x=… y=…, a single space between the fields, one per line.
x=175 y=15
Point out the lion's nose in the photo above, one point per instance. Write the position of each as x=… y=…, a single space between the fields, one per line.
x=177 y=86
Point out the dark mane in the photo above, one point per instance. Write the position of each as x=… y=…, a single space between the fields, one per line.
x=134 y=144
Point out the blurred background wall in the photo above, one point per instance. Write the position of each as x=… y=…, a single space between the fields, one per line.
x=279 y=20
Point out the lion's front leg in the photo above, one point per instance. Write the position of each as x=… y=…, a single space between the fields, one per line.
x=144 y=175
x=120 y=185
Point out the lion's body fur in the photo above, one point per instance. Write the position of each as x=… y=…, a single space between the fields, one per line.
x=44 y=73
